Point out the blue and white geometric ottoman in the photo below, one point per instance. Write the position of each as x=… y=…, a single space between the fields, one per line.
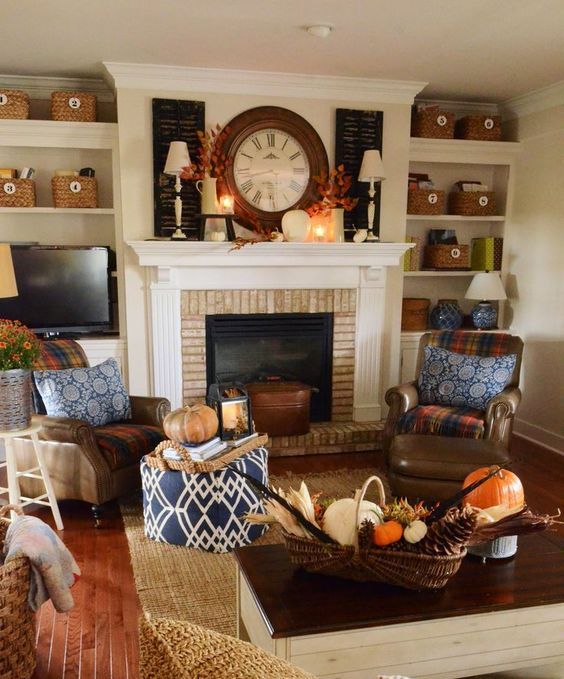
x=204 y=510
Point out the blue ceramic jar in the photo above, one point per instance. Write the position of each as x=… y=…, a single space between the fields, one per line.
x=446 y=315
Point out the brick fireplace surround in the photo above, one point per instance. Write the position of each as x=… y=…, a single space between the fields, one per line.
x=186 y=281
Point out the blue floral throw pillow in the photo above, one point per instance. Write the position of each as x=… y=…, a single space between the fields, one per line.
x=461 y=381
x=96 y=395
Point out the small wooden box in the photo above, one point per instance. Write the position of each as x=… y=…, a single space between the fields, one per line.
x=17 y=193
x=479 y=128
x=73 y=106
x=75 y=192
x=472 y=203
x=280 y=408
x=14 y=104
x=446 y=257
x=414 y=313
x=425 y=202
x=433 y=124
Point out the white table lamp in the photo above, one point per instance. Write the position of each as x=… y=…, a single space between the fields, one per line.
x=177 y=159
x=371 y=170
x=8 y=287
x=485 y=286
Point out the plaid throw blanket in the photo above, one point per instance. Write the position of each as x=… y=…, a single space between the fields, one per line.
x=442 y=421
x=472 y=343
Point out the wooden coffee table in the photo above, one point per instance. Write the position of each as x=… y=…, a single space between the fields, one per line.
x=493 y=616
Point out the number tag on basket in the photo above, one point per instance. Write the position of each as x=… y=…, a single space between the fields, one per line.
x=489 y=124
x=3 y=99
x=74 y=102
x=455 y=253
x=432 y=198
x=9 y=188
x=75 y=187
x=483 y=201
x=441 y=120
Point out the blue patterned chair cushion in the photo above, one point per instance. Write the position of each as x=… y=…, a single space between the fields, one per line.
x=95 y=395
x=204 y=510
x=460 y=380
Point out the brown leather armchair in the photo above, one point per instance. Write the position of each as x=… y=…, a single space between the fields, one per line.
x=424 y=458
x=93 y=464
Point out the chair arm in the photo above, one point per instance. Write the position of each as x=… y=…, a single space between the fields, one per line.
x=400 y=399
x=500 y=412
x=149 y=410
x=65 y=430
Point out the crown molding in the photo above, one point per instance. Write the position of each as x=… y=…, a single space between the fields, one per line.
x=533 y=102
x=461 y=108
x=225 y=81
x=38 y=87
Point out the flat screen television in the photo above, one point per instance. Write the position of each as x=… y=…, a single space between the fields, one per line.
x=61 y=289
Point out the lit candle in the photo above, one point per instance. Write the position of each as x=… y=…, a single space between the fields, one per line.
x=230 y=413
x=226 y=205
x=319 y=232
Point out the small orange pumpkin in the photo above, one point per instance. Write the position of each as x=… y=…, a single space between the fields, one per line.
x=191 y=424
x=387 y=533
x=504 y=488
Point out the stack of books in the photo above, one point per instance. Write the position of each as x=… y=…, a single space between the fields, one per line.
x=486 y=254
x=470 y=185
x=412 y=258
x=199 y=452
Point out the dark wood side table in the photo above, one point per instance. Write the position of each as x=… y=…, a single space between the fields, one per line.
x=503 y=614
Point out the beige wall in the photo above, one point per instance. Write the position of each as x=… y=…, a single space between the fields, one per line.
x=535 y=239
x=135 y=139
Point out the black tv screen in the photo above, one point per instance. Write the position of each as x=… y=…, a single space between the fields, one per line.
x=61 y=289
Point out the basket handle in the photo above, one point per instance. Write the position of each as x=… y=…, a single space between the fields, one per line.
x=359 y=497
x=14 y=508
x=164 y=445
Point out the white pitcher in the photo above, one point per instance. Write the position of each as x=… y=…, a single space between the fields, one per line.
x=208 y=190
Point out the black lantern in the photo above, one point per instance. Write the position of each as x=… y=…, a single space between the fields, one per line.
x=233 y=407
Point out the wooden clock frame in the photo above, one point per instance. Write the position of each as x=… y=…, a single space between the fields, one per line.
x=291 y=123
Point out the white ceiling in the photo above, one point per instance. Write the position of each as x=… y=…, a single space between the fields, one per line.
x=488 y=50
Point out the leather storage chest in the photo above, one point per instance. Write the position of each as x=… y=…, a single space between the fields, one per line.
x=280 y=408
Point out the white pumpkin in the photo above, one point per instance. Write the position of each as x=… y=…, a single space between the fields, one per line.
x=339 y=520
x=415 y=531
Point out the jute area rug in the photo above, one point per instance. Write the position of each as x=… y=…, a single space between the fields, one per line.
x=188 y=584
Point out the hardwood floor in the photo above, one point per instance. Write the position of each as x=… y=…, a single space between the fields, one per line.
x=97 y=639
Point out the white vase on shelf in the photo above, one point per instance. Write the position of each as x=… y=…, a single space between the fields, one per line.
x=337 y=225
x=207 y=188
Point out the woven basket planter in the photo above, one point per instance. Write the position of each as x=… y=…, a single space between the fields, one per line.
x=472 y=203
x=73 y=106
x=479 y=127
x=414 y=313
x=15 y=399
x=433 y=123
x=446 y=257
x=14 y=104
x=17 y=193
x=17 y=620
x=425 y=202
x=75 y=192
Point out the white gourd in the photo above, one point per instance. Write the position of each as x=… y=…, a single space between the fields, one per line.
x=339 y=520
x=415 y=531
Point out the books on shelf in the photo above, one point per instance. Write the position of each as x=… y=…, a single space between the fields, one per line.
x=201 y=452
x=239 y=442
x=486 y=254
x=412 y=258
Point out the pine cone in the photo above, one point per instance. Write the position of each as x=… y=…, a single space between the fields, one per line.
x=450 y=534
x=365 y=534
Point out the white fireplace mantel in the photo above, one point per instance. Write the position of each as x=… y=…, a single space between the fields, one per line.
x=174 y=266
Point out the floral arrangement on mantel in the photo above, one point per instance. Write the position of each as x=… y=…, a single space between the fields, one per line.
x=19 y=347
x=333 y=189
x=211 y=160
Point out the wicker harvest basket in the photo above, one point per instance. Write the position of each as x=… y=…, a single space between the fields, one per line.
x=14 y=104
x=75 y=192
x=472 y=203
x=433 y=123
x=73 y=106
x=414 y=313
x=425 y=202
x=17 y=630
x=17 y=193
x=405 y=569
x=446 y=257
x=479 y=127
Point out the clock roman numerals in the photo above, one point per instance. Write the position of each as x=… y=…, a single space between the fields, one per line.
x=247 y=186
x=257 y=197
x=256 y=142
x=299 y=170
x=271 y=139
x=295 y=186
x=295 y=155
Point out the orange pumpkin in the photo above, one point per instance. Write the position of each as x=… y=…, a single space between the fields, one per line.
x=191 y=424
x=387 y=533
x=504 y=488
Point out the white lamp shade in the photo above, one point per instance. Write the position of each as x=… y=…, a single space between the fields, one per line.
x=8 y=287
x=372 y=167
x=177 y=158
x=486 y=286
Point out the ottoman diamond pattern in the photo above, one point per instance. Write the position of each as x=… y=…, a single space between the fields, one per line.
x=204 y=510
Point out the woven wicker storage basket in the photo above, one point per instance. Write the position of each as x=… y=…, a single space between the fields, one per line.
x=425 y=202
x=73 y=106
x=414 y=313
x=472 y=203
x=17 y=193
x=433 y=123
x=17 y=632
x=14 y=104
x=75 y=192
x=446 y=257
x=405 y=569
x=479 y=127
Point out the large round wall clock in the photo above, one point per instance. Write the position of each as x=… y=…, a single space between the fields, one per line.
x=275 y=155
